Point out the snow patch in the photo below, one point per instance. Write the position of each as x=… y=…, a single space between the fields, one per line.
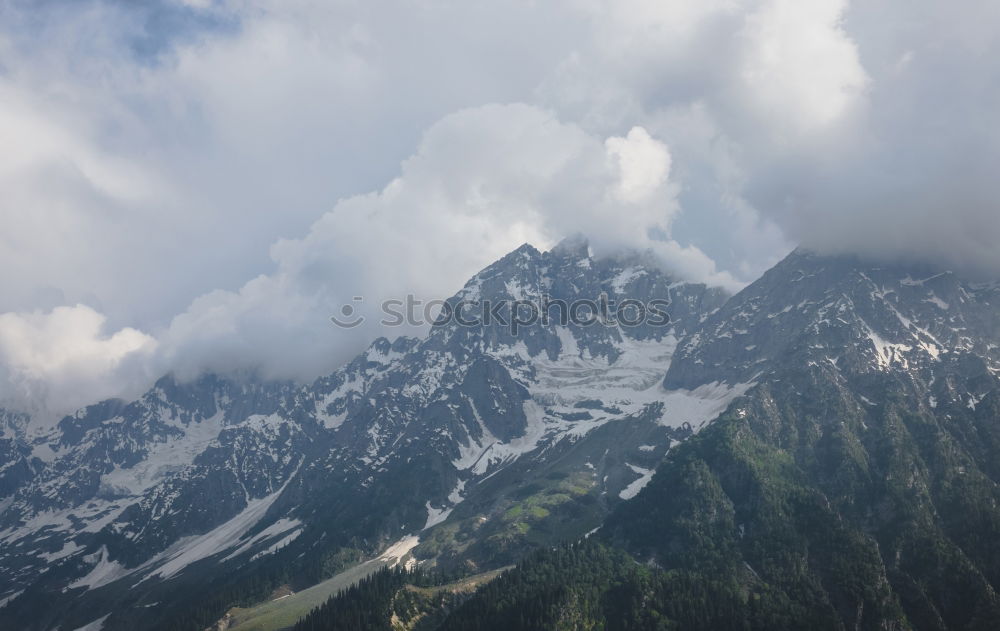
x=625 y=277
x=354 y=385
x=699 y=406
x=282 y=525
x=192 y=549
x=436 y=515
x=166 y=457
x=6 y=599
x=69 y=548
x=567 y=342
x=96 y=625
x=278 y=545
x=887 y=353
x=395 y=553
x=479 y=459
x=456 y=494
x=594 y=391
x=104 y=571
x=630 y=491
x=940 y=304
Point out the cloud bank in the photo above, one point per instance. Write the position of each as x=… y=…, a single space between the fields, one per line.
x=482 y=182
x=196 y=186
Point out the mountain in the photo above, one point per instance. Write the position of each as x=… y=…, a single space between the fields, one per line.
x=854 y=485
x=16 y=464
x=483 y=443
x=857 y=481
x=819 y=450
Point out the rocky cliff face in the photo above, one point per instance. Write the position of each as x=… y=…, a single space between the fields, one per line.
x=485 y=441
x=825 y=446
x=855 y=485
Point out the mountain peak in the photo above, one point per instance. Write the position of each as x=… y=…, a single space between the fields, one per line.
x=523 y=251
x=842 y=313
x=572 y=247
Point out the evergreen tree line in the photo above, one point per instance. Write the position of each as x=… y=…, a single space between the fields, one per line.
x=585 y=585
x=363 y=606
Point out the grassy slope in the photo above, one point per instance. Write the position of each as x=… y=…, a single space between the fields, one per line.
x=283 y=612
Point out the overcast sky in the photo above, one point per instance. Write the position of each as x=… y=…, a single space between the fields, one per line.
x=195 y=185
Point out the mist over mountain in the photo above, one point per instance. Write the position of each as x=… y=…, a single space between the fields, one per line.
x=197 y=185
x=704 y=325
x=817 y=448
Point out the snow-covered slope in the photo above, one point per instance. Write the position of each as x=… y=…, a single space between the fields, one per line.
x=472 y=443
x=134 y=503
x=842 y=313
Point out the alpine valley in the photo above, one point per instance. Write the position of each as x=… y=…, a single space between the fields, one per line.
x=820 y=450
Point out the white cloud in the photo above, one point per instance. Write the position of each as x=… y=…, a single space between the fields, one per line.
x=483 y=181
x=643 y=164
x=58 y=360
x=799 y=68
x=188 y=165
